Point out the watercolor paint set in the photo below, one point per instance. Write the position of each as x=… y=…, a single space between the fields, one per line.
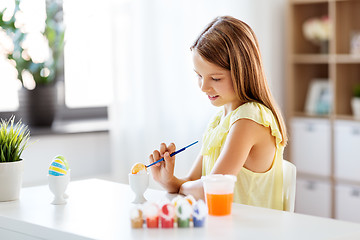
x=181 y=212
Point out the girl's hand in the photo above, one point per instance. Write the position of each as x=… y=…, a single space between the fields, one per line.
x=163 y=172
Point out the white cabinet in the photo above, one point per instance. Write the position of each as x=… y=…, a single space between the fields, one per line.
x=347 y=145
x=311 y=145
x=348 y=203
x=313 y=197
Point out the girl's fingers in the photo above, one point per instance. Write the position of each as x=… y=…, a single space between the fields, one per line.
x=161 y=153
x=167 y=157
x=171 y=148
x=162 y=149
x=169 y=160
x=152 y=159
x=156 y=155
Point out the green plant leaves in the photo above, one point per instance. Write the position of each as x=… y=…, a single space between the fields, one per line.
x=54 y=33
x=356 y=90
x=13 y=139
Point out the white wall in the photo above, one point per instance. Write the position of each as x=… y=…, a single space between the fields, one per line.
x=88 y=155
x=270 y=30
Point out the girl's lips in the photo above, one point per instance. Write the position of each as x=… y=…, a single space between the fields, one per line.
x=212 y=98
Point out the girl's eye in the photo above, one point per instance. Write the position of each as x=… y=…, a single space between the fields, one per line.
x=215 y=79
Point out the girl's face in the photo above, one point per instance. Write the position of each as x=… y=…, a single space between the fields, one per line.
x=216 y=83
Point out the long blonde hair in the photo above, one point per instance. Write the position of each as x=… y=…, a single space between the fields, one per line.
x=232 y=44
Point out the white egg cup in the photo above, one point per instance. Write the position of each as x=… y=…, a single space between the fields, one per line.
x=57 y=185
x=66 y=196
x=139 y=183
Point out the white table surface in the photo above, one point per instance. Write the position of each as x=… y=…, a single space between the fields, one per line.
x=99 y=209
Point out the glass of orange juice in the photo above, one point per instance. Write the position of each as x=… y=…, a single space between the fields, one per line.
x=219 y=191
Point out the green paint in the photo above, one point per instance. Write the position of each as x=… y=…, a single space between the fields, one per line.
x=62 y=158
x=183 y=223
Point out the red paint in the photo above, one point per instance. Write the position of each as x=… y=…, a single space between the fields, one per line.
x=167 y=223
x=167 y=216
x=152 y=222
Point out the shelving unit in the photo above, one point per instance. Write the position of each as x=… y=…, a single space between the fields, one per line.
x=315 y=144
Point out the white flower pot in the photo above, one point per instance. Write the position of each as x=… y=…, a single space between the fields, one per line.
x=355 y=105
x=10 y=180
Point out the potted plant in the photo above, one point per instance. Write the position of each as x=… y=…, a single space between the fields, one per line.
x=38 y=96
x=317 y=30
x=355 y=101
x=13 y=140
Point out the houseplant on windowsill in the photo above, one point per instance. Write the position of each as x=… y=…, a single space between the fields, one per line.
x=38 y=73
x=355 y=101
x=13 y=140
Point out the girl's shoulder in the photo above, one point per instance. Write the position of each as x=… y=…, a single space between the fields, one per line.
x=258 y=113
x=252 y=110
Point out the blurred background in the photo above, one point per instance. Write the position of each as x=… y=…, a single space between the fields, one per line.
x=104 y=83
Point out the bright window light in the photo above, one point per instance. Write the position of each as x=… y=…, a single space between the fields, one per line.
x=87 y=53
x=88 y=65
x=31 y=19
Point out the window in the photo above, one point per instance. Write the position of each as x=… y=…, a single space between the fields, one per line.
x=88 y=66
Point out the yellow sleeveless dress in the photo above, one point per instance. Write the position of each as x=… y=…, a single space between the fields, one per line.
x=256 y=189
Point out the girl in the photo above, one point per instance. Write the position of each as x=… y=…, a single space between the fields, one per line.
x=247 y=137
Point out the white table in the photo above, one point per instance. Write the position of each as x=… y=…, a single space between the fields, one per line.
x=99 y=209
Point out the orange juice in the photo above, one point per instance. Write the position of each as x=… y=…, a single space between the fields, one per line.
x=219 y=204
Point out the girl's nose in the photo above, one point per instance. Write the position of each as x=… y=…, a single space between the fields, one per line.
x=204 y=85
